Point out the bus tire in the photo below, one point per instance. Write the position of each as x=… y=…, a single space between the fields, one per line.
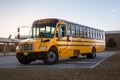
x=92 y=55
x=51 y=56
x=24 y=60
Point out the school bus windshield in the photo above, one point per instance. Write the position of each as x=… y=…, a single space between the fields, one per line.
x=42 y=30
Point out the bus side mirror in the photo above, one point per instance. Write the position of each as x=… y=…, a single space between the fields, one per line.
x=69 y=38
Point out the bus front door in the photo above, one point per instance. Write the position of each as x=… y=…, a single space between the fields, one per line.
x=62 y=40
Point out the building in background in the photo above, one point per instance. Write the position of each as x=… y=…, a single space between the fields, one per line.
x=112 y=40
x=8 y=45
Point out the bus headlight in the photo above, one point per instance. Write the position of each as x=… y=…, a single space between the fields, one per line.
x=42 y=47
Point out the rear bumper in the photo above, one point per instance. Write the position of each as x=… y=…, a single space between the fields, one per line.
x=32 y=55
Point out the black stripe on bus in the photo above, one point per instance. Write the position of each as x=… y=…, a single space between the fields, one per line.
x=77 y=45
x=81 y=41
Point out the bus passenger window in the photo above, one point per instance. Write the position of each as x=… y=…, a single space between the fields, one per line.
x=88 y=33
x=68 y=29
x=73 y=30
x=81 y=31
x=61 y=31
x=99 y=34
x=85 y=32
x=77 y=31
x=91 y=33
x=94 y=33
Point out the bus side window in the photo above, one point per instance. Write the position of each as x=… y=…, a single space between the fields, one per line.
x=88 y=33
x=73 y=30
x=81 y=32
x=77 y=31
x=61 y=30
x=91 y=33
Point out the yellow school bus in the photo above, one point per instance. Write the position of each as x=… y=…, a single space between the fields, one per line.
x=51 y=39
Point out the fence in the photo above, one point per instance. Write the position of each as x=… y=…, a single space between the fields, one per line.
x=7 y=48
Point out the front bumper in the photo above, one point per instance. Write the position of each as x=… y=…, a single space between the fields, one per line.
x=32 y=55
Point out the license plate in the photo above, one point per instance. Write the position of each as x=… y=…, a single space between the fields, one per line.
x=25 y=54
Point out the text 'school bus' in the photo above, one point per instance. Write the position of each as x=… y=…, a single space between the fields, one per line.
x=51 y=39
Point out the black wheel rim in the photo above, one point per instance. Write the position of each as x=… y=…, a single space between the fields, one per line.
x=51 y=56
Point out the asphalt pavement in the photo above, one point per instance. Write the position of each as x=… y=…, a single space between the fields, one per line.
x=81 y=62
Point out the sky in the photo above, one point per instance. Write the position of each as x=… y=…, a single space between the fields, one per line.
x=100 y=14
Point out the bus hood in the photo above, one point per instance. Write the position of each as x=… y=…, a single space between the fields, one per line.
x=37 y=41
x=30 y=41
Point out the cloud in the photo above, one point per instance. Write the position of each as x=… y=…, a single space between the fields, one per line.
x=116 y=10
x=115 y=13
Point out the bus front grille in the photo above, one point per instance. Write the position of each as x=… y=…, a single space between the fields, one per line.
x=26 y=47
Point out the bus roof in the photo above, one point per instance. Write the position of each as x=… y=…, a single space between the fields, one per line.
x=46 y=20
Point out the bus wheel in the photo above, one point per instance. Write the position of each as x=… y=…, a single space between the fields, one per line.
x=24 y=60
x=51 y=57
x=92 y=55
